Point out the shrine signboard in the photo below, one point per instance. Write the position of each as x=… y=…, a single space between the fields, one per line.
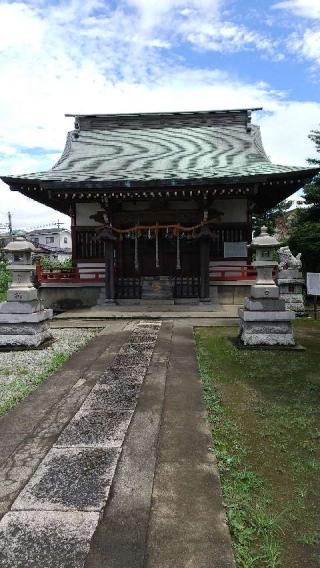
x=313 y=288
x=313 y=283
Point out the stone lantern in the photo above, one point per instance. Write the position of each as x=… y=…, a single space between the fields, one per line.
x=264 y=319
x=23 y=321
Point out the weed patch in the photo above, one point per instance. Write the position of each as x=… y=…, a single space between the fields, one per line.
x=12 y=393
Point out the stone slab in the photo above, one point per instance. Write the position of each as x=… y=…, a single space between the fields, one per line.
x=23 y=328
x=70 y=479
x=17 y=468
x=94 y=428
x=120 y=539
x=140 y=336
x=187 y=523
x=132 y=359
x=131 y=348
x=26 y=318
x=247 y=315
x=116 y=396
x=46 y=539
x=31 y=428
x=124 y=375
x=20 y=307
x=296 y=281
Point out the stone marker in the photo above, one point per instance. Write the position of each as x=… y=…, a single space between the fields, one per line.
x=290 y=280
x=23 y=320
x=264 y=319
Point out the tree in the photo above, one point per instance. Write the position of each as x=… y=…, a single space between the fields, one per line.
x=304 y=233
x=270 y=218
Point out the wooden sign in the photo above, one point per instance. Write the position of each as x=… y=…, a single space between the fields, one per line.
x=313 y=283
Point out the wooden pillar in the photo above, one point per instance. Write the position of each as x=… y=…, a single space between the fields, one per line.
x=109 y=271
x=109 y=238
x=205 y=239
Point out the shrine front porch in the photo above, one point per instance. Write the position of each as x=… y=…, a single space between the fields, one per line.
x=201 y=314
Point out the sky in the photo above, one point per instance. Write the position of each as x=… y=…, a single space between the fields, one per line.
x=99 y=56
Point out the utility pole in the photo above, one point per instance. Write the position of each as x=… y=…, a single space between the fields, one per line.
x=58 y=223
x=10 y=223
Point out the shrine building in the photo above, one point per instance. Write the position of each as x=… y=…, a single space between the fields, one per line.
x=161 y=206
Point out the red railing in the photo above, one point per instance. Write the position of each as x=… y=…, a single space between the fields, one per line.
x=94 y=274
x=227 y=272
x=72 y=276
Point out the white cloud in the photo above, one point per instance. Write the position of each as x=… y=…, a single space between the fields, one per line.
x=224 y=36
x=26 y=213
x=307 y=45
x=83 y=57
x=285 y=132
x=305 y=8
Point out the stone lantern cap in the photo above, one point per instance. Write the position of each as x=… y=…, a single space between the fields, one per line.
x=19 y=245
x=264 y=240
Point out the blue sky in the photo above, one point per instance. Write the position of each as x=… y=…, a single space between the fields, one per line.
x=151 y=55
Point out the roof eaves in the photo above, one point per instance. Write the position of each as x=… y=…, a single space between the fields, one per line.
x=157 y=114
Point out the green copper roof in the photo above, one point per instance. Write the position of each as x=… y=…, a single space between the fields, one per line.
x=168 y=147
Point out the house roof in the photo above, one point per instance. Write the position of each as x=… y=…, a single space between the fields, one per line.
x=47 y=231
x=161 y=147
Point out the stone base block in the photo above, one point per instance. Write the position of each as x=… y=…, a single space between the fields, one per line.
x=286 y=339
x=279 y=327
x=22 y=294
x=264 y=291
x=256 y=316
x=20 y=307
x=16 y=341
x=266 y=332
x=23 y=328
x=265 y=304
x=290 y=274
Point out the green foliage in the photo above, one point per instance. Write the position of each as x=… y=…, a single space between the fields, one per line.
x=48 y=263
x=305 y=238
x=304 y=234
x=268 y=218
x=4 y=279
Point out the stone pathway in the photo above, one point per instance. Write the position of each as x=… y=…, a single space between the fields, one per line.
x=119 y=475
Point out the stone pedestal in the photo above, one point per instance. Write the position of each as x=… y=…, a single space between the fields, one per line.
x=23 y=321
x=264 y=319
x=291 y=284
x=266 y=327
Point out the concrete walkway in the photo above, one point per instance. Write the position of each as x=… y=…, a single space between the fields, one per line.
x=107 y=463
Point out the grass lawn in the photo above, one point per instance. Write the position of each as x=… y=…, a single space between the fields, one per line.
x=264 y=412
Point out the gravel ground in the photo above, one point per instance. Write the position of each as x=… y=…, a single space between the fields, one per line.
x=17 y=365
